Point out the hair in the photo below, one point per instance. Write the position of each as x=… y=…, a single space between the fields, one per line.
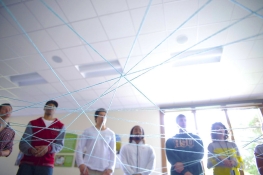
x=179 y=116
x=97 y=112
x=5 y=104
x=130 y=138
x=52 y=102
x=214 y=135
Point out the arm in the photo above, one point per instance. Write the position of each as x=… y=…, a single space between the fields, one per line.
x=213 y=159
x=9 y=138
x=82 y=142
x=25 y=142
x=173 y=158
x=239 y=160
x=112 y=150
x=151 y=162
x=124 y=156
x=58 y=143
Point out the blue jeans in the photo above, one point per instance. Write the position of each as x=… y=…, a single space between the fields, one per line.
x=26 y=169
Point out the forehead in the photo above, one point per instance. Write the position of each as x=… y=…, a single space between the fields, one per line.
x=50 y=104
x=6 y=107
x=137 y=128
x=102 y=113
x=181 y=118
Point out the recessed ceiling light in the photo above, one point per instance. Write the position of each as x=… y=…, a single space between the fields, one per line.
x=182 y=39
x=57 y=59
x=27 y=79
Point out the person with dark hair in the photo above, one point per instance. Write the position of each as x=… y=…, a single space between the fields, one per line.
x=99 y=144
x=43 y=138
x=258 y=152
x=6 y=133
x=137 y=157
x=185 y=151
x=223 y=156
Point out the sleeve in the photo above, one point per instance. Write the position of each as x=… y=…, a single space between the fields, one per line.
x=124 y=160
x=25 y=142
x=239 y=160
x=82 y=142
x=9 y=138
x=259 y=160
x=112 y=160
x=58 y=144
x=151 y=162
x=171 y=153
x=213 y=160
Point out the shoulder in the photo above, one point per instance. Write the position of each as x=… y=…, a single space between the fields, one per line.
x=58 y=122
x=10 y=130
x=34 y=121
x=149 y=147
x=259 y=149
x=110 y=131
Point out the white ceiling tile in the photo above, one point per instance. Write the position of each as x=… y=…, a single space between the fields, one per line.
x=90 y=30
x=237 y=51
x=6 y=83
x=128 y=100
x=6 y=70
x=174 y=46
x=212 y=13
x=36 y=62
x=6 y=28
x=65 y=61
x=176 y=15
x=104 y=49
x=258 y=90
x=211 y=30
x=246 y=28
x=154 y=19
x=47 y=88
x=5 y=93
x=141 y=3
x=31 y=90
x=261 y=81
x=249 y=65
x=64 y=36
x=69 y=73
x=23 y=16
x=118 y=25
x=98 y=82
x=19 y=65
x=78 y=84
x=252 y=4
x=48 y=75
x=248 y=78
x=123 y=46
x=77 y=10
x=88 y=94
x=257 y=49
x=6 y=52
x=82 y=56
x=20 y=45
x=60 y=88
x=149 y=41
x=44 y=15
x=239 y=12
x=241 y=91
x=111 y=101
x=43 y=41
x=106 y=7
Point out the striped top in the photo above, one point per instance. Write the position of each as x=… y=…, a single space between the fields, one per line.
x=221 y=150
x=6 y=139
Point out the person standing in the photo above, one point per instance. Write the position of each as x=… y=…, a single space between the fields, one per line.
x=223 y=156
x=185 y=151
x=43 y=138
x=6 y=133
x=99 y=145
x=137 y=157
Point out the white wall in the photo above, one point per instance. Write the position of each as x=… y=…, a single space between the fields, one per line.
x=120 y=122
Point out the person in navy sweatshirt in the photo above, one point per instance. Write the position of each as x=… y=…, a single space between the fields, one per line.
x=43 y=138
x=185 y=151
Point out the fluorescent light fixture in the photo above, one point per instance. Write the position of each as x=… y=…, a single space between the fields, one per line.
x=197 y=57
x=99 y=69
x=27 y=79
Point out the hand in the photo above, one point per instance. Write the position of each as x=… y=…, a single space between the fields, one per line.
x=188 y=173
x=227 y=163
x=233 y=163
x=83 y=170
x=33 y=151
x=107 y=172
x=41 y=150
x=179 y=167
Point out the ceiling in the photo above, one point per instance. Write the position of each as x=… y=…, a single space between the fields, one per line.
x=142 y=35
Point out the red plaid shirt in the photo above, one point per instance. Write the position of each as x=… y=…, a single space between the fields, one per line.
x=6 y=139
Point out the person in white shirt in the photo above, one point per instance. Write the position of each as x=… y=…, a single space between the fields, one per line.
x=137 y=157
x=99 y=145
